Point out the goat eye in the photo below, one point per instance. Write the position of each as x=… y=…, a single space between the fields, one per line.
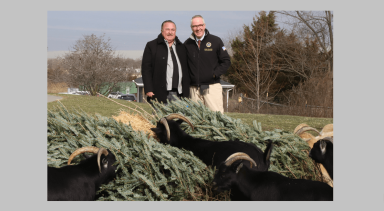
x=105 y=163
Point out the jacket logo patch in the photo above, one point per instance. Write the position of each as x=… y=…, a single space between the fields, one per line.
x=207 y=49
x=224 y=48
x=209 y=44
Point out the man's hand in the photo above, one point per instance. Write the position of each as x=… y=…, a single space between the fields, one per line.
x=150 y=94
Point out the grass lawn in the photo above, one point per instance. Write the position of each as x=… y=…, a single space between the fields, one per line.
x=92 y=104
x=105 y=107
x=284 y=122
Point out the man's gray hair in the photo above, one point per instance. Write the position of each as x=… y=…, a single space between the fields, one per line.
x=197 y=16
x=167 y=21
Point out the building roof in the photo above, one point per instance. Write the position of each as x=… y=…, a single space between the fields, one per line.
x=139 y=82
x=224 y=84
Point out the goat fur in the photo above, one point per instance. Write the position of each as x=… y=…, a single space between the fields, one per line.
x=322 y=152
x=80 y=182
x=256 y=185
x=211 y=152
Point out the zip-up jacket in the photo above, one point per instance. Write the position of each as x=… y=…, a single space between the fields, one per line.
x=209 y=62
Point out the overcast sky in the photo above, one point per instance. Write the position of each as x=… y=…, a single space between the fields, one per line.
x=131 y=30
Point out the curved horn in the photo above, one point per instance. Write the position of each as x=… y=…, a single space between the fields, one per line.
x=326 y=134
x=238 y=154
x=179 y=116
x=239 y=157
x=327 y=128
x=165 y=123
x=101 y=151
x=81 y=151
x=306 y=136
x=306 y=128
x=299 y=127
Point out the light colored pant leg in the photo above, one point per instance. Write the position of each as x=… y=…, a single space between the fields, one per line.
x=213 y=98
x=194 y=94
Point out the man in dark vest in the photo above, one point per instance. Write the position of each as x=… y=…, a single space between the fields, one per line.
x=208 y=59
x=164 y=66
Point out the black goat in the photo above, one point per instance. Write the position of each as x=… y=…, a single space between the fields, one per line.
x=266 y=185
x=322 y=152
x=80 y=182
x=210 y=152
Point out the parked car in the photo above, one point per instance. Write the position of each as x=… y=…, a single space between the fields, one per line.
x=81 y=93
x=115 y=95
x=129 y=97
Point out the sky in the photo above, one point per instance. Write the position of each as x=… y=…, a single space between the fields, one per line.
x=131 y=30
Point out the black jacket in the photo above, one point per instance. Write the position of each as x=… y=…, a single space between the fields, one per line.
x=154 y=68
x=209 y=62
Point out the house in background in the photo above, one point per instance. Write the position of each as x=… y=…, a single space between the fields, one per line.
x=141 y=94
x=128 y=87
x=72 y=90
x=140 y=89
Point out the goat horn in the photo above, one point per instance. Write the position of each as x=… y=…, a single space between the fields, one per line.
x=101 y=151
x=299 y=127
x=81 y=151
x=240 y=157
x=165 y=123
x=326 y=129
x=306 y=128
x=238 y=154
x=179 y=116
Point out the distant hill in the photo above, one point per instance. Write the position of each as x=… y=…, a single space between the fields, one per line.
x=126 y=54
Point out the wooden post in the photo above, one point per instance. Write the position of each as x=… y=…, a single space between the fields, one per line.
x=267 y=104
x=241 y=101
x=306 y=112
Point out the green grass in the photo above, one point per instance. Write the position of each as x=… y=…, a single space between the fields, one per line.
x=284 y=122
x=92 y=104
x=105 y=107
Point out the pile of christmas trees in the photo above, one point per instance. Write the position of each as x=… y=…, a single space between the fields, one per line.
x=148 y=170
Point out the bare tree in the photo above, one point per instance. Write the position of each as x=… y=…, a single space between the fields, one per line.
x=55 y=70
x=93 y=64
x=255 y=67
x=298 y=57
x=317 y=24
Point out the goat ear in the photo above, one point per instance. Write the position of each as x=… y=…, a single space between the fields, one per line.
x=86 y=156
x=323 y=145
x=268 y=151
x=155 y=130
x=179 y=121
x=239 y=167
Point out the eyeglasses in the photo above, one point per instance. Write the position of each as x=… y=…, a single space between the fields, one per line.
x=201 y=25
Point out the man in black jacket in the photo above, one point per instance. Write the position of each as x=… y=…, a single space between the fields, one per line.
x=208 y=59
x=164 y=66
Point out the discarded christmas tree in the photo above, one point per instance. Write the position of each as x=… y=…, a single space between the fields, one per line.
x=148 y=170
